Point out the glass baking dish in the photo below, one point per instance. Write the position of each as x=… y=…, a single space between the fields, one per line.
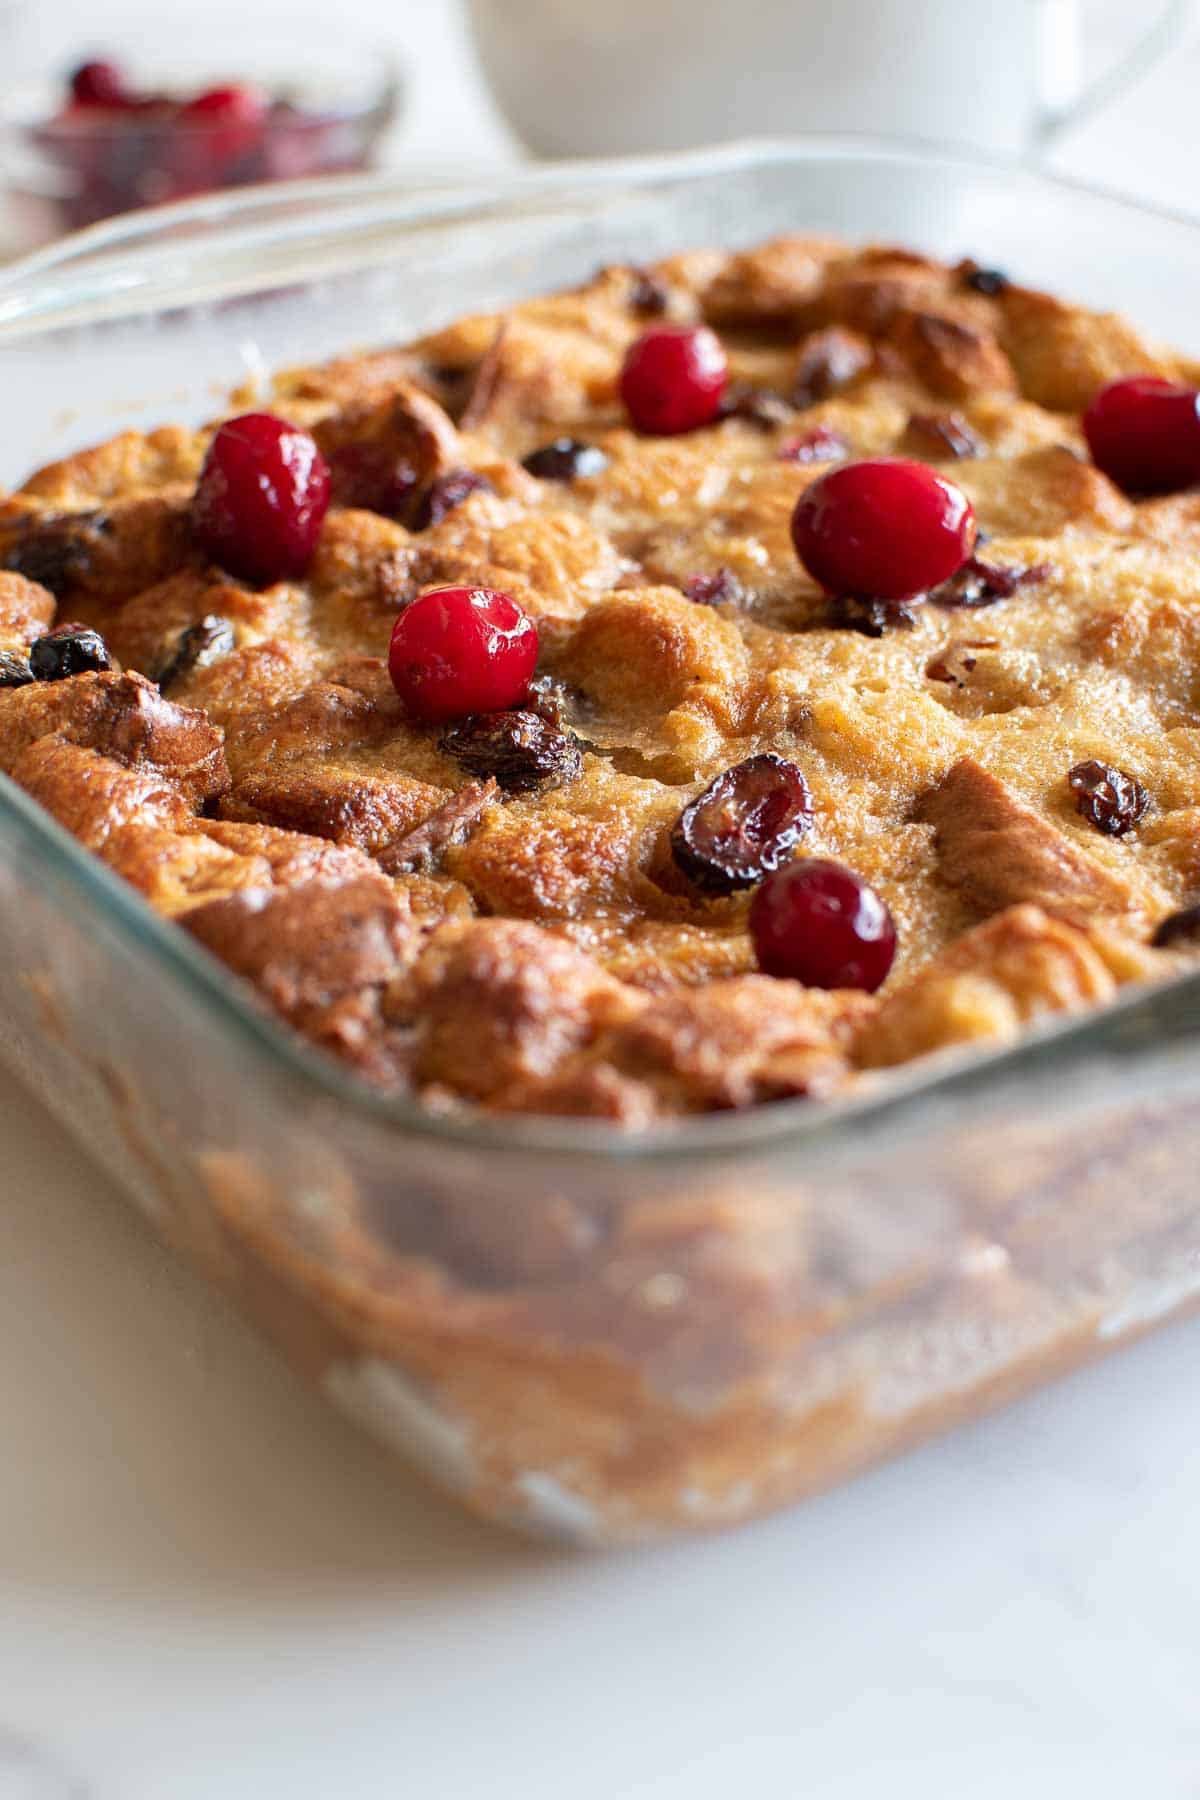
x=595 y=1336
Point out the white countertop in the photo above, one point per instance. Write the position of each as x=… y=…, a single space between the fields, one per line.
x=211 y=1588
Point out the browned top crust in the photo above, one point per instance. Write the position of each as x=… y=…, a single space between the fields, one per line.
x=536 y=948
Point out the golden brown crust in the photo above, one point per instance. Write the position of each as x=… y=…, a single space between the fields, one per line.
x=541 y=950
x=999 y=853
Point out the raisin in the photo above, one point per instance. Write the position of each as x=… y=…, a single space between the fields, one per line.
x=1178 y=928
x=447 y=492
x=873 y=617
x=940 y=435
x=14 y=669
x=68 y=650
x=522 y=750
x=744 y=824
x=565 y=459
x=1110 y=799
x=648 y=294
x=201 y=644
x=982 y=584
x=719 y=589
x=986 y=281
x=757 y=406
x=56 y=549
x=368 y=477
x=828 y=360
x=821 y=444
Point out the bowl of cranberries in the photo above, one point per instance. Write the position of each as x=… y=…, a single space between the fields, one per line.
x=118 y=133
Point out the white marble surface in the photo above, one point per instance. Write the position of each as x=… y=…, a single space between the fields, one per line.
x=212 y=1587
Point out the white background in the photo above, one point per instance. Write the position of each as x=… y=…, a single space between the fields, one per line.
x=213 y=1589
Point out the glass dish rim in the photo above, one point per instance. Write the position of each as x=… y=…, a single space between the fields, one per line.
x=232 y=1006
x=386 y=197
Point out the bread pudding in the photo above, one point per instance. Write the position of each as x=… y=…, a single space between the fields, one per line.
x=718 y=684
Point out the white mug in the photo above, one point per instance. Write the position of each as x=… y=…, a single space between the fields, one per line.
x=599 y=77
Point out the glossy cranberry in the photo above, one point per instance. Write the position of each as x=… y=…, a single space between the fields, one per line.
x=461 y=650
x=1144 y=433
x=673 y=379
x=820 y=923
x=237 y=101
x=887 y=528
x=100 y=84
x=261 y=498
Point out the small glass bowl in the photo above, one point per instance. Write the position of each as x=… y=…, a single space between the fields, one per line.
x=68 y=167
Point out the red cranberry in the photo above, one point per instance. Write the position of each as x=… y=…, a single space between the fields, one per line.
x=461 y=650
x=819 y=923
x=673 y=378
x=220 y=127
x=887 y=528
x=261 y=498
x=100 y=84
x=236 y=101
x=1144 y=433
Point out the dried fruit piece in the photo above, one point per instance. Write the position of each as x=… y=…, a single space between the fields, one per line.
x=447 y=492
x=56 y=549
x=718 y=589
x=14 y=669
x=366 y=476
x=521 y=749
x=648 y=294
x=565 y=459
x=757 y=406
x=68 y=650
x=982 y=584
x=873 y=616
x=942 y=435
x=1112 y=800
x=745 y=823
x=1181 y=927
x=821 y=444
x=202 y=643
x=985 y=281
x=828 y=360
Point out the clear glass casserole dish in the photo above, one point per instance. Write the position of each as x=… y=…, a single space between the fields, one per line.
x=597 y=1336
